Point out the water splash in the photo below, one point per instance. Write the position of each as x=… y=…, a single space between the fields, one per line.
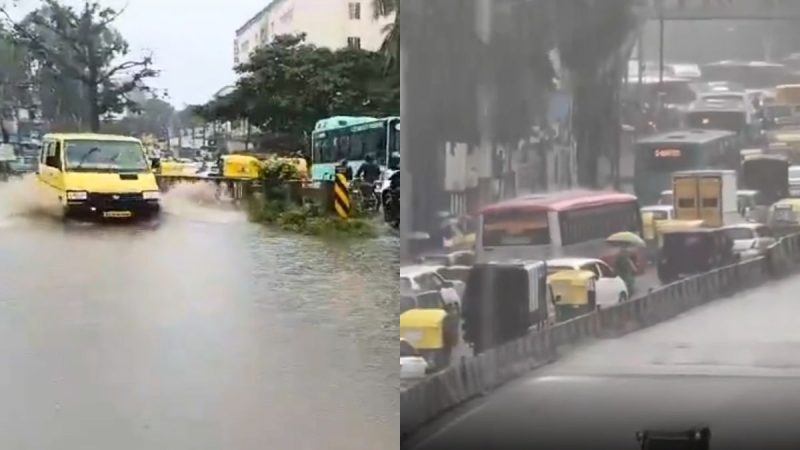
x=23 y=198
x=201 y=201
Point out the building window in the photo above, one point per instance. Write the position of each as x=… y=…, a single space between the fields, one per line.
x=355 y=10
x=354 y=42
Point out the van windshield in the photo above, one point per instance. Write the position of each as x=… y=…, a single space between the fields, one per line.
x=107 y=156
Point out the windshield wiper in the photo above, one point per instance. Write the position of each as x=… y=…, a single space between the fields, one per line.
x=85 y=156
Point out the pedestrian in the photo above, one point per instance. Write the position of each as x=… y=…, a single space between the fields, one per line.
x=626 y=269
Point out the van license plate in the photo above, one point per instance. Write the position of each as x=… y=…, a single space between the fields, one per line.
x=116 y=214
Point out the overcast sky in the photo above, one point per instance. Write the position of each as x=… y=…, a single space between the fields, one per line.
x=191 y=40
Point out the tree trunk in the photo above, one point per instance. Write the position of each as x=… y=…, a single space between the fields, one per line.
x=93 y=98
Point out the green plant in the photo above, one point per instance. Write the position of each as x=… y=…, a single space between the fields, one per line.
x=308 y=219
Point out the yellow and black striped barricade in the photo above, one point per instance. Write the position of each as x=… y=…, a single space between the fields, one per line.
x=341 y=196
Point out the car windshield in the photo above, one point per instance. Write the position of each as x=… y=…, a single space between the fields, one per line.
x=740 y=233
x=111 y=156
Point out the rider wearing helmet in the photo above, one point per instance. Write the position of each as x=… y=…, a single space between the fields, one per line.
x=369 y=171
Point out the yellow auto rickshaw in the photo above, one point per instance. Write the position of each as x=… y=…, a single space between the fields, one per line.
x=241 y=167
x=573 y=293
x=433 y=332
x=668 y=226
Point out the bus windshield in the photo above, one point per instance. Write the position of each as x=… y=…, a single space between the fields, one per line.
x=515 y=228
x=112 y=156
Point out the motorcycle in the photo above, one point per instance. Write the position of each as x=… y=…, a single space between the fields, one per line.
x=363 y=194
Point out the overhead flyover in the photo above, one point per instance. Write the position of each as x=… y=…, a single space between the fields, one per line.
x=720 y=9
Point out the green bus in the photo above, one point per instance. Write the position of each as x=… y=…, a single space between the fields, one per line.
x=340 y=137
x=657 y=156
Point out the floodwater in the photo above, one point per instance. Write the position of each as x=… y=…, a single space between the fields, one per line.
x=203 y=332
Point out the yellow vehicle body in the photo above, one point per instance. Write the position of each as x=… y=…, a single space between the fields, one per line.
x=175 y=169
x=424 y=328
x=667 y=226
x=110 y=188
x=571 y=287
x=241 y=167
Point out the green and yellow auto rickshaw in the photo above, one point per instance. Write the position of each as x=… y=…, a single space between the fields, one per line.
x=572 y=293
x=433 y=332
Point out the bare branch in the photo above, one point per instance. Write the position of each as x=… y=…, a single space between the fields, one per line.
x=127 y=65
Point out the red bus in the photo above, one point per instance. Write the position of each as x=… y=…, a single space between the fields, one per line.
x=564 y=224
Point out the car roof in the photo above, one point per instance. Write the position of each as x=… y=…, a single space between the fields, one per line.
x=418 y=269
x=571 y=261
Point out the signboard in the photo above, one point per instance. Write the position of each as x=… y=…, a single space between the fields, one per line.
x=668 y=153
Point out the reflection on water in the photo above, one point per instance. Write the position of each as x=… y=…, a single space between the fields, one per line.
x=204 y=332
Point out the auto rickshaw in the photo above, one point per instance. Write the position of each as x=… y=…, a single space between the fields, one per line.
x=651 y=217
x=502 y=301
x=693 y=251
x=241 y=167
x=433 y=332
x=666 y=226
x=572 y=293
x=784 y=217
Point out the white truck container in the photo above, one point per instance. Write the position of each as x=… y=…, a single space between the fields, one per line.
x=707 y=195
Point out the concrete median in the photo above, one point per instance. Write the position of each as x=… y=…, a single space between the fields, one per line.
x=473 y=377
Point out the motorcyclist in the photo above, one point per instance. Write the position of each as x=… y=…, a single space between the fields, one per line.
x=369 y=171
x=344 y=168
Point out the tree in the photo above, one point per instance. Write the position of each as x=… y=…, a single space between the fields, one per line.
x=80 y=47
x=288 y=85
x=391 y=32
x=154 y=116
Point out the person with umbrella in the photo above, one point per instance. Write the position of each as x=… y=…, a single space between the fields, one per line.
x=624 y=260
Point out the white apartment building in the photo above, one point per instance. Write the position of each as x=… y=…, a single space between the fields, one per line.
x=327 y=23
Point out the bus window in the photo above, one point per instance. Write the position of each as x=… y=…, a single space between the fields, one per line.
x=598 y=222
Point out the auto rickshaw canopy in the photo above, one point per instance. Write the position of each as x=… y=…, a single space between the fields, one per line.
x=241 y=166
x=423 y=328
x=571 y=287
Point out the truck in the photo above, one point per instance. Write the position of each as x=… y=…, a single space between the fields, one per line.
x=707 y=195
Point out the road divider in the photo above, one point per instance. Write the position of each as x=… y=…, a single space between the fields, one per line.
x=429 y=399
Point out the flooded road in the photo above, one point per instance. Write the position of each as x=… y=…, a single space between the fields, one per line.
x=205 y=332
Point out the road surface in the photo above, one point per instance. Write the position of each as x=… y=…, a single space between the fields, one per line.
x=733 y=364
x=207 y=332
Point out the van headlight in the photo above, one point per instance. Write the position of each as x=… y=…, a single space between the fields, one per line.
x=151 y=195
x=77 y=195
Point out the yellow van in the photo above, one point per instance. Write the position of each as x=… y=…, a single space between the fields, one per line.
x=98 y=176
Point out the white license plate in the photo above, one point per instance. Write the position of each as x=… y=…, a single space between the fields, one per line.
x=412 y=337
x=117 y=214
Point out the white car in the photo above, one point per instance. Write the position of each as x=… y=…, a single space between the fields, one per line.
x=749 y=239
x=794 y=181
x=610 y=287
x=422 y=278
x=412 y=365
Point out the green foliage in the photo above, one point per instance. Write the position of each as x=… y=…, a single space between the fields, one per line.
x=390 y=47
x=308 y=219
x=82 y=61
x=287 y=85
